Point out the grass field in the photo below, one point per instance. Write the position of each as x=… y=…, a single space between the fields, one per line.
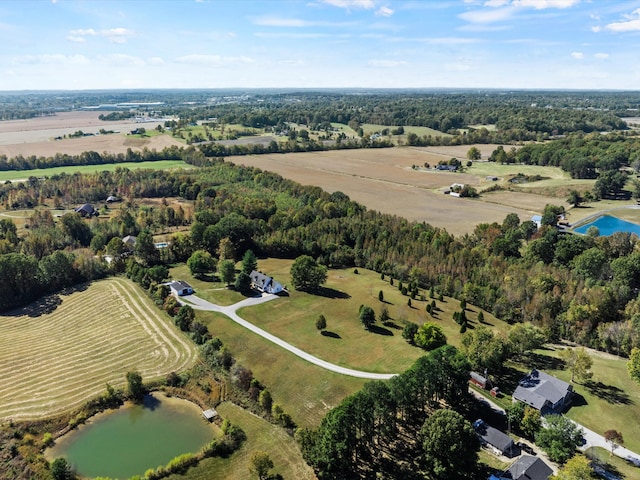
x=381 y=350
x=307 y=391
x=48 y=172
x=52 y=362
x=261 y=436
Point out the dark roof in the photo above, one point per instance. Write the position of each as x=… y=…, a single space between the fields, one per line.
x=179 y=285
x=86 y=208
x=528 y=468
x=537 y=388
x=494 y=437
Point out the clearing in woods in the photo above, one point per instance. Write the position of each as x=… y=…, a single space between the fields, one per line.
x=52 y=362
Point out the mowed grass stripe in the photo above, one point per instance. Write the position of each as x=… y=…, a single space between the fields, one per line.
x=57 y=361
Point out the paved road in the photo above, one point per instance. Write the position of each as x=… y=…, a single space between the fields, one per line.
x=198 y=303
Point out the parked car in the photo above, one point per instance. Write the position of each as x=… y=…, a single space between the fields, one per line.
x=526 y=448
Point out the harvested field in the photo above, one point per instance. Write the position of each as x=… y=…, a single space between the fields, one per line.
x=36 y=136
x=384 y=180
x=52 y=362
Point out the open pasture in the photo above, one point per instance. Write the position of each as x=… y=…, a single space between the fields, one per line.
x=53 y=357
x=48 y=172
x=384 y=180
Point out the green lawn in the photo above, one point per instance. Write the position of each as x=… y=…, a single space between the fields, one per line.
x=48 y=172
x=503 y=170
x=212 y=291
x=613 y=464
x=261 y=436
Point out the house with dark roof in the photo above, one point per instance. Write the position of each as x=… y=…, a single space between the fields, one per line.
x=498 y=442
x=264 y=283
x=86 y=210
x=543 y=392
x=180 y=288
x=525 y=468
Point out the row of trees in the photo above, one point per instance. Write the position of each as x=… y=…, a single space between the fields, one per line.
x=400 y=428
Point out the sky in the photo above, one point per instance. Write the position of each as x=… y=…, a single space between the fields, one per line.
x=504 y=44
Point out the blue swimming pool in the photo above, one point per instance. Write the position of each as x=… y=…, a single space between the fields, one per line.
x=609 y=225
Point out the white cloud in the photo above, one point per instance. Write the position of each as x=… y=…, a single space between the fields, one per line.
x=123 y=59
x=55 y=58
x=457 y=67
x=351 y=4
x=595 y=29
x=632 y=23
x=155 y=61
x=488 y=16
x=543 y=4
x=272 y=21
x=71 y=38
x=115 y=35
x=294 y=35
x=601 y=56
x=386 y=63
x=213 y=60
x=496 y=3
x=577 y=55
x=384 y=11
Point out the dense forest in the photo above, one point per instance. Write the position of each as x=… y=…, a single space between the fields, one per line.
x=580 y=288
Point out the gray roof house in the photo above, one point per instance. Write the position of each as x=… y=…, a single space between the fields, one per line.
x=528 y=468
x=180 y=288
x=494 y=439
x=264 y=283
x=129 y=240
x=86 y=210
x=544 y=392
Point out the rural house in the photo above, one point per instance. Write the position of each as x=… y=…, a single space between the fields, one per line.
x=498 y=442
x=129 y=241
x=180 y=288
x=86 y=211
x=111 y=199
x=264 y=283
x=525 y=468
x=543 y=392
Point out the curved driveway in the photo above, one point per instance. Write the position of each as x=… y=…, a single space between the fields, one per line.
x=198 y=303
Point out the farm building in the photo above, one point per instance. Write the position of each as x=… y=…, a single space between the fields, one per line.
x=86 y=210
x=543 y=392
x=180 y=288
x=537 y=219
x=264 y=283
x=479 y=380
x=498 y=442
x=209 y=414
x=111 y=199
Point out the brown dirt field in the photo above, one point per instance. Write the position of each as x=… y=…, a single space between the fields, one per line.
x=383 y=180
x=35 y=136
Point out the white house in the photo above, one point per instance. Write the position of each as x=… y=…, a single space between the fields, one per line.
x=264 y=283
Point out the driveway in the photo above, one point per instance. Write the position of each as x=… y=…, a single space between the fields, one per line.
x=198 y=303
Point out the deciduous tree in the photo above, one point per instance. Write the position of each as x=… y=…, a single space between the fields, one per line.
x=200 y=263
x=614 y=439
x=306 y=274
x=135 y=387
x=579 y=363
x=260 y=464
x=429 y=336
x=559 y=438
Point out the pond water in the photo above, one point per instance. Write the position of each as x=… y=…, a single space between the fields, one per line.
x=128 y=441
x=609 y=225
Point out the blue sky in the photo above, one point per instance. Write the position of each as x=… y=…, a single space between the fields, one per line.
x=86 y=44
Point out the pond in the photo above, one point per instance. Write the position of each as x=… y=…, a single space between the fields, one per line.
x=609 y=225
x=128 y=441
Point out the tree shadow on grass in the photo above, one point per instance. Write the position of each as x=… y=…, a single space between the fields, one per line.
x=42 y=306
x=330 y=334
x=328 y=292
x=380 y=330
x=541 y=362
x=608 y=393
x=392 y=324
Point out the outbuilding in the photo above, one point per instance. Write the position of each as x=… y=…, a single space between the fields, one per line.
x=180 y=288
